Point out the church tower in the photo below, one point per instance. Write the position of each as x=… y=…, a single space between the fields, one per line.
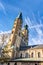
x=19 y=37
x=24 y=33
x=8 y=50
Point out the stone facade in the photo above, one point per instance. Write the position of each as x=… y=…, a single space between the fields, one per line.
x=37 y=53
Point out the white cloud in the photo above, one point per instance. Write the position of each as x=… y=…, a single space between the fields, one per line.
x=3 y=8
x=39 y=31
x=37 y=41
x=1 y=32
x=4 y=37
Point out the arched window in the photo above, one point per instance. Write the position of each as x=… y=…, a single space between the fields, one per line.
x=35 y=64
x=26 y=55
x=8 y=63
x=21 y=55
x=32 y=54
x=39 y=55
x=15 y=63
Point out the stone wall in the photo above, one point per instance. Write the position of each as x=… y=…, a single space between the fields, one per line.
x=34 y=51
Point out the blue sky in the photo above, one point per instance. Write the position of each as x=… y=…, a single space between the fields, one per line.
x=32 y=11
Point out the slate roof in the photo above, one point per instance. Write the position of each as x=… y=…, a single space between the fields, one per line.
x=31 y=47
x=39 y=46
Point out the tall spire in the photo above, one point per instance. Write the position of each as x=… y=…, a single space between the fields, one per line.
x=20 y=15
x=12 y=41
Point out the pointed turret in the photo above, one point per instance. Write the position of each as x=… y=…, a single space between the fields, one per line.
x=26 y=27
x=20 y=15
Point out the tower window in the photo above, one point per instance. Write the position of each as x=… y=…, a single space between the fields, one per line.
x=12 y=32
x=19 y=33
x=38 y=54
x=21 y=55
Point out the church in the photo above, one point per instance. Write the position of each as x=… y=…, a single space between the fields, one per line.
x=18 y=48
